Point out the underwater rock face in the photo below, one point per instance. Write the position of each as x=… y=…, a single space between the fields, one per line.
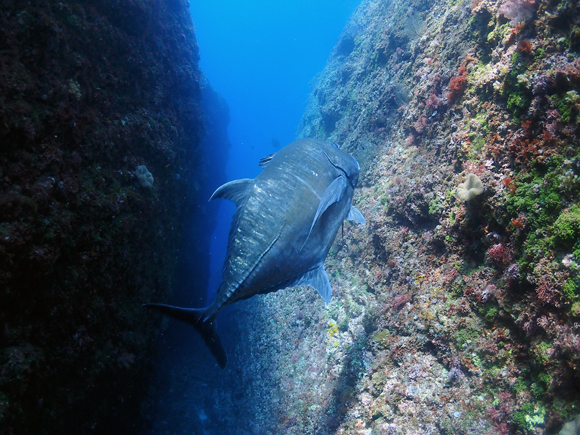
x=571 y=428
x=448 y=317
x=88 y=91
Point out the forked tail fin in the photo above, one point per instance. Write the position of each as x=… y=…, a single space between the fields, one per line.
x=195 y=317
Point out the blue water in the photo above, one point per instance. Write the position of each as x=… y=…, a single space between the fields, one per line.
x=261 y=55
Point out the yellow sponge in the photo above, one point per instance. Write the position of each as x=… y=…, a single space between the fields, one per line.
x=470 y=189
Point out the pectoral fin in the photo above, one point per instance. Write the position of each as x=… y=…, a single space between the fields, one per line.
x=235 y=191
x=332 y=194
x=355 y=215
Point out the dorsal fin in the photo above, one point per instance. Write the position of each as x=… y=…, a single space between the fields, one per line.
x=265 y=160
x=235 y=191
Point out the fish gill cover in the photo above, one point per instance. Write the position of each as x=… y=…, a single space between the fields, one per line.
x=89 y=92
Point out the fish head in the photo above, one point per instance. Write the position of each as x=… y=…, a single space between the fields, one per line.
x=344 y=162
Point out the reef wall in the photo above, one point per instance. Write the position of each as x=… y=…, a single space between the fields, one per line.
x=447 y=316
x=88 y=92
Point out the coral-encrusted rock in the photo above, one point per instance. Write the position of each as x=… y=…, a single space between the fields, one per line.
x=447 y=316
x=89 y=90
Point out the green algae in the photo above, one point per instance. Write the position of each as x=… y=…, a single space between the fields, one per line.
x=489 y=311
x=530 y=416
x=542 y=353
x=566 y=228
x=565 y=105
x=539 y=199
x=381 y=338
x=465 y=336
x=517 y=102
x=498 y=33
x=570 y=289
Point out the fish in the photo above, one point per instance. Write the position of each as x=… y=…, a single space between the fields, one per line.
x=284 y=225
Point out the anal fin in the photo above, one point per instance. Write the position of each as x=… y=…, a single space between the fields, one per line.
x=355 y=215
x=318 y=279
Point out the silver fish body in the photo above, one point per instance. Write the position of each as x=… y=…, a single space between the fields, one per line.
x=286 y=221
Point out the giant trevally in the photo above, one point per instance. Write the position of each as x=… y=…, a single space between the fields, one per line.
x=285 y=223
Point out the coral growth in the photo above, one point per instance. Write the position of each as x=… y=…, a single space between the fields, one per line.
x=457 y=84
x=518 y=10
x=144 y=176
x=493 y=284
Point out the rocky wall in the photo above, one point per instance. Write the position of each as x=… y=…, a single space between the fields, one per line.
x=448 y=316
x=89 y=91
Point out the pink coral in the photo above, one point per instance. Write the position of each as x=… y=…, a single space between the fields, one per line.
x=499 y=254
x=547 y=292
x=518 y=10
x=420 y=125
x=401 y=300
x=432 y=102
x=457 y=84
